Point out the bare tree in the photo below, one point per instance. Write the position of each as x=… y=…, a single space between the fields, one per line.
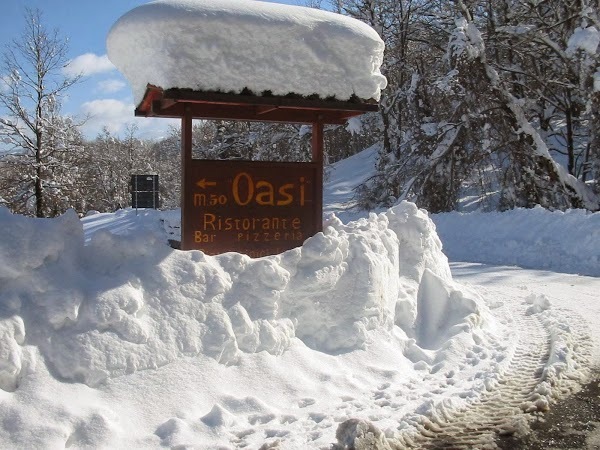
x=107 y=164
x=31 y=67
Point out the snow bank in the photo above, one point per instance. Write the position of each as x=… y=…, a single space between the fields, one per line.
x=127 y=303
x=342 y=179
x=532 y=238
x=26 y=245
x=231 y=45
x=125 y=222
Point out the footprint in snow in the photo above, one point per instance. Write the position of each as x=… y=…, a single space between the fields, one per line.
x=287 y=419
x=436 y=368
x=276 y=433
x=383 y=403
x=317 y=417
x=380 y=395
x=421 y=365
x=315 y=435
x=303 y=403
x=260 y=418
x=245 y=433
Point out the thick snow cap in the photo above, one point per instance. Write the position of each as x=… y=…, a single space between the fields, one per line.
x=230 y=45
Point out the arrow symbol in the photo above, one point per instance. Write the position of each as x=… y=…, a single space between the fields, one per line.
x=204 y=184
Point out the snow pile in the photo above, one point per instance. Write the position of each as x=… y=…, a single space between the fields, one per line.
x=129 y=303
x=232 y=45
x=538 y=304
x=27 y=245
x=360 y=435
x=536 y=238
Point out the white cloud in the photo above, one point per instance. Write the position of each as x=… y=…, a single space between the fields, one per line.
x=111 y=86
x=115 y=115
x=88 y=64
x=110 y=113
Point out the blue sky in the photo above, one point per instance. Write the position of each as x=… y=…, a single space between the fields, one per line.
x=103 y=95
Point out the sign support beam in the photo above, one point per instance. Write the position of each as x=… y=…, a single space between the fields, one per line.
x=317 y=157
x=186 y=163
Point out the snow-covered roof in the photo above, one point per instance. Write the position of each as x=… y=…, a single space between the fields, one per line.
x=232 y=45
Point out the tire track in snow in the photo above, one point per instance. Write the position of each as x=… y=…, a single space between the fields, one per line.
x=497 y=411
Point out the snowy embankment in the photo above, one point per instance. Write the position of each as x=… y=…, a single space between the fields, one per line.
x=531 y=238
x=127 y=303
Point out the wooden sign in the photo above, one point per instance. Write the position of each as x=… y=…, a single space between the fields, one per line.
x=256 y=208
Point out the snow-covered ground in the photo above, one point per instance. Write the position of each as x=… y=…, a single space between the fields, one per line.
x=536 y=238
x=531 y=238
x=111 y=339
x=360 y=338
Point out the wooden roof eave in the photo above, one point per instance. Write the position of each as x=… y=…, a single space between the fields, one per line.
x=208 y=105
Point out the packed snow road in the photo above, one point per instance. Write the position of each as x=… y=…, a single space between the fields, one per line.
x=506 y=407
x=498 y=410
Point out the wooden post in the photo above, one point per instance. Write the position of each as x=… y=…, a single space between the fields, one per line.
x=317 y=157
x=186 y=163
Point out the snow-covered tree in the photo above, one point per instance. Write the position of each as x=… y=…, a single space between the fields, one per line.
x=36 y=138
x=549 y=51
x=107 y=165
x=484 y=95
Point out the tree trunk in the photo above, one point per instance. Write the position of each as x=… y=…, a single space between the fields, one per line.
x=570 y=142
x=592 y=163
x=39 y=188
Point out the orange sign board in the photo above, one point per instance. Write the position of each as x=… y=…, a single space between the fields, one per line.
x=251 y=207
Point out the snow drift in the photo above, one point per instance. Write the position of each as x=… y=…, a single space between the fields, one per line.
x=232 y=45
x=535 y=238
x=129 y=303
